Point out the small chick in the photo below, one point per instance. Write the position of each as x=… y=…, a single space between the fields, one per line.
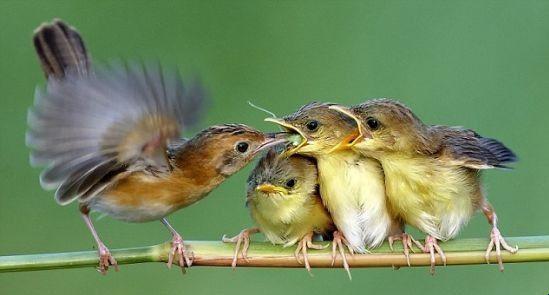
x=351 y=186
x=284 y=202
x=432 y=173
x=110 y=139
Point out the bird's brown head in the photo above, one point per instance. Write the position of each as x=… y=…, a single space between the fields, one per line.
x=384 y=125
x=319 y=127
x=277 y=177
x=228 y=147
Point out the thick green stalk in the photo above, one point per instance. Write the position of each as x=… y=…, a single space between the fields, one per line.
x=213 y=253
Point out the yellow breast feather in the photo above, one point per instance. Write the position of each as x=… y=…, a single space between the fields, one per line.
x=434 y=198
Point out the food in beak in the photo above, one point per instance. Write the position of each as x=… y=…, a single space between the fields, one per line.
x=297 y=138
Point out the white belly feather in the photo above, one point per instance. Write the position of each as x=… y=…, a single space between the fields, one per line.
x=353 y=190
x=147 y=211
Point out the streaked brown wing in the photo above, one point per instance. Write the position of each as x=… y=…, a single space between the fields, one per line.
x=465 y=147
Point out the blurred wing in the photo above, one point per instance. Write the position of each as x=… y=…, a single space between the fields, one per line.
x=60 y=49
x=465 y=147
x=87 y=128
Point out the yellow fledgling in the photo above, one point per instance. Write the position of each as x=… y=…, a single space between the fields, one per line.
x=432 y=173
x=284 y=202
x=351 y=185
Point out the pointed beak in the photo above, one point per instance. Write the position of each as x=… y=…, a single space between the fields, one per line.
x=289 y=127
x=350 y=140
x=279 y=135
x=346 y=143
x=270 y=141
x=268 y=188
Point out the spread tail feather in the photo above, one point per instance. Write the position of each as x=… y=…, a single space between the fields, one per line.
x=60 y=49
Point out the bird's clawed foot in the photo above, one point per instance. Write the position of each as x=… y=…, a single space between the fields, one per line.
x=497 y=241
x=337 y=245
x=431 y=246
x=306 y=243
x=407 y=243
x=243 y=236
x=105 y=259
x=178 y=247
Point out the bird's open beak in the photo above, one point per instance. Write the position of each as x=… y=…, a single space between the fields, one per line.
x=268 y=188
x=285 y=125
x=351 y=139
x=346 y=143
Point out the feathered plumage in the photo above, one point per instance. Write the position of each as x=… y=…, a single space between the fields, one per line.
x=287 y=215
x=60 y=50
x=284 y=202
x=467 y=148
x=84 y=127
x=432 y=173
x=351 y=186
x=110 y=138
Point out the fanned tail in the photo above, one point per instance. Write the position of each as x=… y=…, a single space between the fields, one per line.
x=60 y=49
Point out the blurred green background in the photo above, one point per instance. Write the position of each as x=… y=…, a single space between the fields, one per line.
x=481 y=64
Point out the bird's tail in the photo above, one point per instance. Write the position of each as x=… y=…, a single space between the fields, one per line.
x=60 y=49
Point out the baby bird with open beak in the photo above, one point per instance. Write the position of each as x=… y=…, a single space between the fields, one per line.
x=284 y=202
x=432 y=173
x=351 y=185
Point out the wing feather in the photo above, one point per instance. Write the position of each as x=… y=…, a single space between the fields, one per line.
x=467 y=148
x=83 y=127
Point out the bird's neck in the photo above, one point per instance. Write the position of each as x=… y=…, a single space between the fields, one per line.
x=198 y=169
x=337 y=157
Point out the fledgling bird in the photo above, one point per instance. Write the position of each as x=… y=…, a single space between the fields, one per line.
x=432 y=173
x=110 y=139
x=284 y=201
x=351 y=185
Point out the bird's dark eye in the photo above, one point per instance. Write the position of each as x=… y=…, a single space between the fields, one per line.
x=290 y=183
x=312 y=125
x=242 y=147
x=373 y=123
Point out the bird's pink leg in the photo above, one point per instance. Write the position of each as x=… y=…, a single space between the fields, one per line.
x=431 y=246
x=337 y=244
x=407 y=243
x=105 y=257
x=243 y=236
x=302 y=247
x=496 y=239
x=178 y=247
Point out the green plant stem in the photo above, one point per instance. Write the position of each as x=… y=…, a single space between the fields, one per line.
x=214 y=253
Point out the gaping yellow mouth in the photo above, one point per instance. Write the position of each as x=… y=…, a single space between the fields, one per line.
x=346 y=143
x=268 y=188
x=290 y=128
x=351 y=139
